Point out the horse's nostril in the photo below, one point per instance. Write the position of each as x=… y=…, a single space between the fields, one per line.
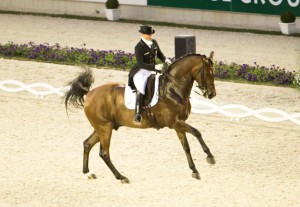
x=211 y=95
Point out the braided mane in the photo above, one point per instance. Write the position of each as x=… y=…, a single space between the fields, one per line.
x=182 y=57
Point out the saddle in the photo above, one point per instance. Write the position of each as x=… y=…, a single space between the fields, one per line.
x=150 y=87
x=151 y=93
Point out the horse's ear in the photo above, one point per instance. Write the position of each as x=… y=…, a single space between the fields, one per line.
x=211 y=56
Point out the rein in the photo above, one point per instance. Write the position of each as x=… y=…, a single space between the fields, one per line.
x=203 y=87
x=173 y=78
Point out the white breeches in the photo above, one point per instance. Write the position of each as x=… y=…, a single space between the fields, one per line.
x=140 y=79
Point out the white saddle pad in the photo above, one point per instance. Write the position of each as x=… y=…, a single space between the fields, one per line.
x=130 y=96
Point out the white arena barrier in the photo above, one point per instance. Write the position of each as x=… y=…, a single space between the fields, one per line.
x=31 y=88
x=198 y=106
x=237 y=111
x=274 y=115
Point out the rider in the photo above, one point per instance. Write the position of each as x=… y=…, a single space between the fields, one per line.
x=146 y=51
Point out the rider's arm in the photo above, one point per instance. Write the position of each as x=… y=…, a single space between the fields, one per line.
x=160 y=55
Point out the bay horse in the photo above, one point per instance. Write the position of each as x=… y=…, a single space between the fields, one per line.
x=105 y=109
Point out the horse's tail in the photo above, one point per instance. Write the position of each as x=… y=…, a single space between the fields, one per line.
x=79 y=87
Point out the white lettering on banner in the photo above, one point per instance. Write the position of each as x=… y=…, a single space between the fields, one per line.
x=255 y=1
x=275 y=2
x=292 y=3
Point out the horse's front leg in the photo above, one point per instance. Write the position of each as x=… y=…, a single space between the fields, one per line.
x=186 y=147
x=184 y=127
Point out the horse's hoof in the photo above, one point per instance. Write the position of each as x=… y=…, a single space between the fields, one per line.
x=125 y=180
x=196 y=176
x=211 y=160
x=91 y=176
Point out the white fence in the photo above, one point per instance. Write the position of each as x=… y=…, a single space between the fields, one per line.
x=234 y=111
x=31 y=88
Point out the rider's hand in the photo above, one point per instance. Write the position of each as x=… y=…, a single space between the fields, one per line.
x=159 y=67
x=168 y=61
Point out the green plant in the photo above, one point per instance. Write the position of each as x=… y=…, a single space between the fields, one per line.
x=112 y=4
x=287 y=17
x=297 y=79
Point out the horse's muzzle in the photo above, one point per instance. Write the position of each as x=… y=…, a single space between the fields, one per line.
x=210 y=93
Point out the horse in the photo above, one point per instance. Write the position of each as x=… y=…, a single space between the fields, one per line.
x=105 y=109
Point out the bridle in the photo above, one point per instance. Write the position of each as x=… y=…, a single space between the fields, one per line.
x=202 y=87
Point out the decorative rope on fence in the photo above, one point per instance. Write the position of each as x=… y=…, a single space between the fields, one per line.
x=275 y=115
x=31 y=88
x=237 y=111
x=198 y=106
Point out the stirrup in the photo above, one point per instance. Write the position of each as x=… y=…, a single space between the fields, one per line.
x=137 y=119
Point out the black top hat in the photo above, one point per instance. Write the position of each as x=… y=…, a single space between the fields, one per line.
x=146 y=30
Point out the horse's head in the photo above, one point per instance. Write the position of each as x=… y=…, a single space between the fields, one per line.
x=204 y=76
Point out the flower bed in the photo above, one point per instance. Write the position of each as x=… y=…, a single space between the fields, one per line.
x=254 y=73
x=68 y=55
x=120 y=60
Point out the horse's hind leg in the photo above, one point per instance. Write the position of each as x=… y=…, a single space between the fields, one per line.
x=87 y=146
x=105 y=132
x=186 y=147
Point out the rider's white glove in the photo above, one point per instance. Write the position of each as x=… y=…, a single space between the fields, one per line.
x=168 y=61
x=159 y=67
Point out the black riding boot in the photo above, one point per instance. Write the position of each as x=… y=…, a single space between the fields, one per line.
x=138 y=108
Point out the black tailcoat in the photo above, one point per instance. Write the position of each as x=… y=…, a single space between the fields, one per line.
x=145 y=57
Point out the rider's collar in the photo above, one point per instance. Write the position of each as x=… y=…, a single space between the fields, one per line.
x=149 y=43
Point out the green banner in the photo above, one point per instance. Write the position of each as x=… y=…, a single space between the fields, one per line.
x=273 y=7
